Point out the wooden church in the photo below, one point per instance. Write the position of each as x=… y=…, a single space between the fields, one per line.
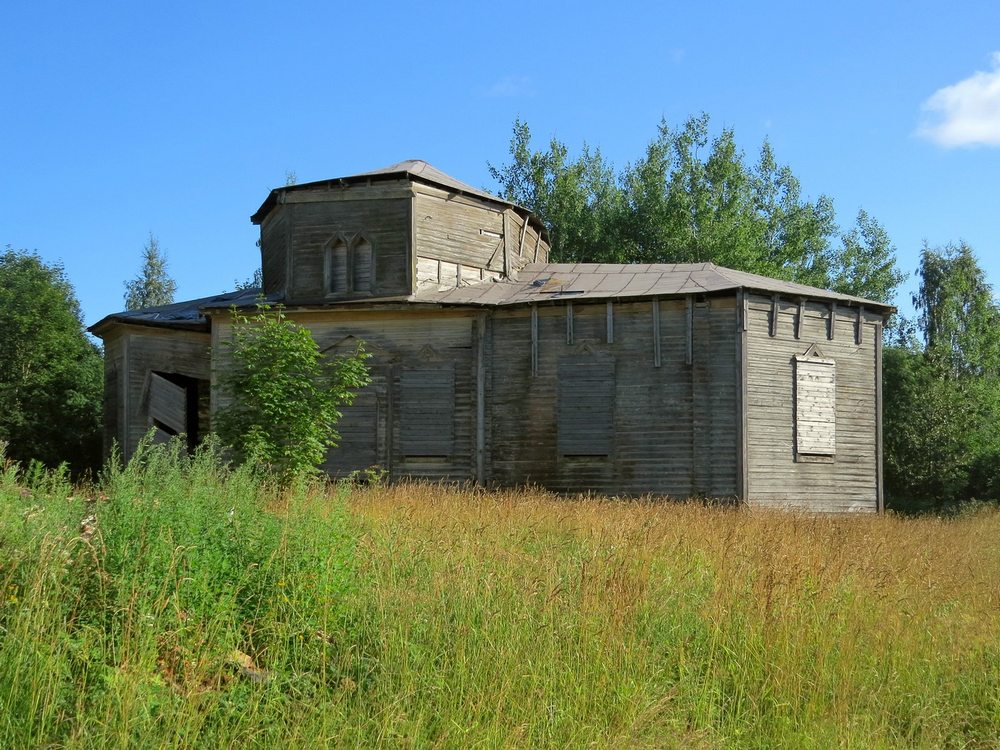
x=492 y=365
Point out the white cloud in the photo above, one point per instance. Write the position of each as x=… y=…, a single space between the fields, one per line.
x=966 y=113
x=511 y=86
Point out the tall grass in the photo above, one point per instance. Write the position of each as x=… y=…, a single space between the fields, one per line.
x=176 y=603
x=205 y=609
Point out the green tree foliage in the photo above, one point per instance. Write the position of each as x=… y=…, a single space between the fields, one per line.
x=958 y=316
x=51 y=375
x=691 y=198
x=284 y=398
x=153 y=286
x=865 y=263
x=253 y=281
x=942 y=388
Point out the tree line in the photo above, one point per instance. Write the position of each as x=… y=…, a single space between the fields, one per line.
x=688 y=197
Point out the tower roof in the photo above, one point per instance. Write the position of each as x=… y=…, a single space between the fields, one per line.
x=414 y=169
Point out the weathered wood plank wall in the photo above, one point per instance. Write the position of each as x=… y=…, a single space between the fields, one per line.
x=274 y=251
x=657 y=445
x=849 y=479
x=139 y=352
x=381 y=214
x=461 y=239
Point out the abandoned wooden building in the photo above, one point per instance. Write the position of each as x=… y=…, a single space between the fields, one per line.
x=493 y=365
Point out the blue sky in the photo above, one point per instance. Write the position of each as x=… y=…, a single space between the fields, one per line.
x=121 y=119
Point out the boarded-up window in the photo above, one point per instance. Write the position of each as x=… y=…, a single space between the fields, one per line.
x=362 y=265
x=815 y=406
x=427 y=410
x=585 y=409
x=359 y=432
x=337 y=267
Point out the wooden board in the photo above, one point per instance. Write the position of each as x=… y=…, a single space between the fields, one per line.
x=584 y=414
x=778 y=473
x=427 y=410
x=815 y=406
x=168 y=403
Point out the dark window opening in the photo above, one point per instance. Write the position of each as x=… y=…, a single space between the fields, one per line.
x=179 y=405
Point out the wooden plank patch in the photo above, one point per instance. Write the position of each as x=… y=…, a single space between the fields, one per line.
x=815 y=407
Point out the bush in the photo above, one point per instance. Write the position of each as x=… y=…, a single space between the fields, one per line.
x=284 y=398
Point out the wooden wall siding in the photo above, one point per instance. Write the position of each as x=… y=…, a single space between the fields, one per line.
x=384 y=222
x=523 y=243
x=714 y=397
x=150 y=350
x=461 y=230
x=438 y=274
x=418 y=234
x=274 y=251
x=654 y=448
x=438 y=340
x=775 y=477
x=115 y=377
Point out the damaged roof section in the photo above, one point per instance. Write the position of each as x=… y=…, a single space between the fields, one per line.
x=187 y=315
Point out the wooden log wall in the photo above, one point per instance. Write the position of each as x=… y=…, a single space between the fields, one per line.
x=778 y=330
x=675 y=423
x=274 y=251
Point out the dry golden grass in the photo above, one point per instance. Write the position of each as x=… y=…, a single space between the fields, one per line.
x=707 y=625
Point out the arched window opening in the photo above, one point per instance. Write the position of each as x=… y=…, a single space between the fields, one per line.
x=337 y=260
x=362 y=265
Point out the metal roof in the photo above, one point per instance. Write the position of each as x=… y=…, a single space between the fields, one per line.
x=544 y=282
x=535 y=283
x=411 y=168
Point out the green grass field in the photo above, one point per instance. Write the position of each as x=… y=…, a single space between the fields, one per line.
x=203 y=609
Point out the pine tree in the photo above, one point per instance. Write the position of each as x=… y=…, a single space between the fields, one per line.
x=153 y=286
